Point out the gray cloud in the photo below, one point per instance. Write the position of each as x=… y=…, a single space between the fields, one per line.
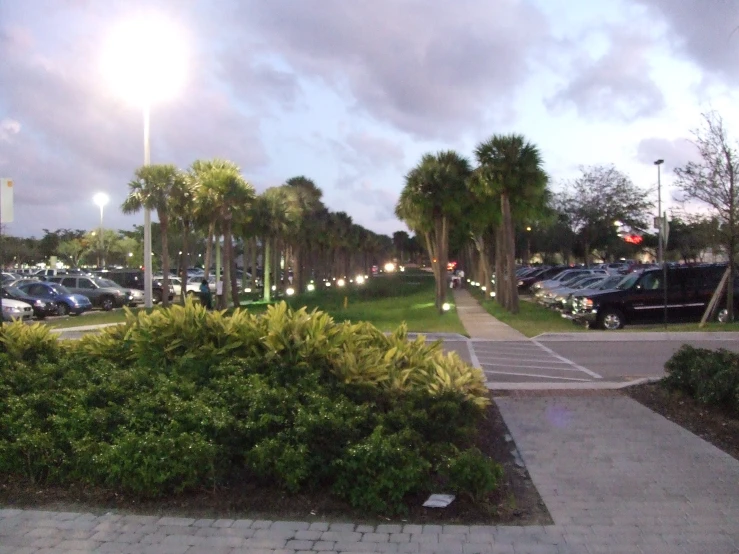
x=615 y=86
x=704 y=31
x=427 y=67
x=675 y=153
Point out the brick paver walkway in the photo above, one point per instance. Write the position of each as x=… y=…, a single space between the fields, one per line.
x=615 y=476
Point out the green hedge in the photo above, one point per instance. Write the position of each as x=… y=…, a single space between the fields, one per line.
x=709 y=376
x=182 y=399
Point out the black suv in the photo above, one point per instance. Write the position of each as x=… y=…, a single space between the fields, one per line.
x=640 y=297
x=134 y=279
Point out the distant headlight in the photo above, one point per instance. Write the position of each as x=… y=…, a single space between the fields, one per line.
x=520 y=283
x=39 y=303
x=11 y=310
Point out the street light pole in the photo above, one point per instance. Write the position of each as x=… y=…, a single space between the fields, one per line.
x=660 y=227
x=661 y=244
x=148 y=274
x=101 y=199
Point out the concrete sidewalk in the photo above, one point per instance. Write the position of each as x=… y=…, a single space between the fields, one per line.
x=615 y=476
x=478 y=323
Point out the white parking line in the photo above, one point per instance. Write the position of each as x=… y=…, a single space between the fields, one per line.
x=534 y=375
x=581 y=368
x=547 y=360
x=533 y=367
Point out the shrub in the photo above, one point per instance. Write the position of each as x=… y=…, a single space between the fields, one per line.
x=709 y=376
x=28 y=343
x=473 y=474
x=377 y=473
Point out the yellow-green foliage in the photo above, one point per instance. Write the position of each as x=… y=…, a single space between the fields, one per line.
x=355 y=353
x=27 y=342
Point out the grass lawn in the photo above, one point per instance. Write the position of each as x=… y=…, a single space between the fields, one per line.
x=531 y=320
x=386 y=301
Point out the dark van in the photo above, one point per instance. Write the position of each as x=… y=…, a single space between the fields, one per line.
x=640 y=297
x=134 y=279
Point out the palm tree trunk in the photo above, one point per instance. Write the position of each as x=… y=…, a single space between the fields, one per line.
x=227 y=256
x=267 y=254
x=276 y=262
x=163 y=225
x=235 y=289
x=510 y=252
x=298 y=268
x=185 y=259
x=500 y=284
x=253 y=263
x=209 y=248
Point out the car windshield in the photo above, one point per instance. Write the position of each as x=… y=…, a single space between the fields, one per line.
x=610 y=283
x=16 y=292
x=106 y=283
x=628 y=281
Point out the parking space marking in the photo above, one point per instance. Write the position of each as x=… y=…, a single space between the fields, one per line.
x=536 y=375
x=593 y=374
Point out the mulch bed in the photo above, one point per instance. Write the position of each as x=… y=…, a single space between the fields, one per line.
x=713 y=425
x=516 y=502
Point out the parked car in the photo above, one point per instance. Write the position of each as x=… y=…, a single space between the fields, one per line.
x=16 y=310
x=553 y=297
x=609 y=283
x=66 y=301
x=640 y=297
x=134 y=279
x=103 y=293
x=42 y=307
x=175 y=282
x=567 y=276
x=193 y=285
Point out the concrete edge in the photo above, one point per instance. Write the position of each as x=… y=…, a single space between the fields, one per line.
x=638 y=336
x=608 y=385
x=83 y=328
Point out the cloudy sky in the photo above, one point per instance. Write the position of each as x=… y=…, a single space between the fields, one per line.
x=351 y=93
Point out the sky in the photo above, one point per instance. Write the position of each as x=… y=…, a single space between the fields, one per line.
x=352 y=93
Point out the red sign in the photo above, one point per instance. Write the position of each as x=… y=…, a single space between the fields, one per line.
x=633 y=239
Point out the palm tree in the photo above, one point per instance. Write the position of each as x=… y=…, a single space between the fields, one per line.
x=275 y=215
x=510 y=169
x=309 y=202
x=433 y=196
x=151 y=189
x=222 y=193
x=183 y=207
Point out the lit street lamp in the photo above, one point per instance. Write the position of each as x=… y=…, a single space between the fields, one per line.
x=100 y=200
x=144 y=61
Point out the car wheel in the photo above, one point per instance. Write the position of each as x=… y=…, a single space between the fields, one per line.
x=723 y=316
x=611 y=319
x=107 y=304
x=62 y=309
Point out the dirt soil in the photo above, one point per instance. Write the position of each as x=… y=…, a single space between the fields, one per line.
x=516 y=502
x=713 y=425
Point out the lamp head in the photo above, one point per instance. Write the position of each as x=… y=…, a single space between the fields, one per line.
x=659 y=162
x=100 y=199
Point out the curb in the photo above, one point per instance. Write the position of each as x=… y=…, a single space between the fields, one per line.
x=572 y=386
x=83 y=328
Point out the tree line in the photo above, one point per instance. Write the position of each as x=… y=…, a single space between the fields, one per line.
x=490 y=212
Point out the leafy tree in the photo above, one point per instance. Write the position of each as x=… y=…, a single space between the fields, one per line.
x=598 y=198
x=714 y=181
x=692 y=234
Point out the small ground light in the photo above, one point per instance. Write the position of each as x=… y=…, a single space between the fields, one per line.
x=484 y=287
x=359 y=279
x=311 y=287
x=328 y=283
x=446 y=306
x=366 y=276
x=274 y=287
x=340 y=283
x=390 y=267
x=290 y=291
x=492 y=293
x=247 y=289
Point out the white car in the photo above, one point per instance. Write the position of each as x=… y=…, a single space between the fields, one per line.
x=193 y=284
x=174 y=282
x=15 y=309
